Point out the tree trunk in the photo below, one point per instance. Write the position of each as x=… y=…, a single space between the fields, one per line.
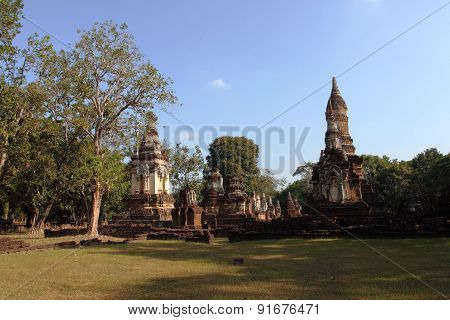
x=11 y=217
x=86 y=207
x=31 y=218
x=5 y=209
x=3 y=157
x=38 y=222
x=95 y=209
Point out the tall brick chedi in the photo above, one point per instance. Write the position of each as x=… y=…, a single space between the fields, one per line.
x=338 y=176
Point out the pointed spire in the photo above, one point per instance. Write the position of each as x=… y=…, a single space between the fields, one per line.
x=290 y=207
x=334 y=88
x=336 y=103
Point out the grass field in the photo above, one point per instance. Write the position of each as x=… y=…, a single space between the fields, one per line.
x=278 y=269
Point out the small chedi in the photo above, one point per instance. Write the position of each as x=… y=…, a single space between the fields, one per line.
x=149 y=200
x=293 y=208
x=225 y=207
x=214 y=190
x=187 y=212
x=233 y=206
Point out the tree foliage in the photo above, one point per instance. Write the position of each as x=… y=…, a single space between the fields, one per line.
x=238 y=156
x=266 y=183
x=234 y=156
x=186 y=169
x=100 y=85
x=422 y=181
x=423 y=177
x=10 y=15
x=61 y=134
x=390 y=180
x=299 y=189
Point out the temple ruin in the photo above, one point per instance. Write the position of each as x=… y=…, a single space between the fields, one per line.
x=149 y=200
x=338 y=186
x=233 y=206
x=338 y=176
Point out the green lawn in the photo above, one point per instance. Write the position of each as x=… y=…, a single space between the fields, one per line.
x=278 y=269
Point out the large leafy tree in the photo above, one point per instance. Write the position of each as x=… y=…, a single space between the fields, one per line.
x=40 y=172
x=97 y=86
x=440 y=175
x=390 y=180
x=15 y=64
x=20 y=101
x=235 y=156
x=10 y=15
x=423 y=179
x=186 y=168
x=238 y=156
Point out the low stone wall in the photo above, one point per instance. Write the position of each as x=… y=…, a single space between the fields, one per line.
x=203 y=236
x=52 y=233
x=338 y=225
x=8 y=245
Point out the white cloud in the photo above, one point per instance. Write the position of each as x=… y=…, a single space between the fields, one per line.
x=218 y=83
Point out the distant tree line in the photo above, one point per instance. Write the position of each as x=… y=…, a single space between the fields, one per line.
x=421 y=185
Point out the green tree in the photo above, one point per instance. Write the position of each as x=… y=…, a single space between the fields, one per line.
x=38 y=174
x=10 y=15
x=99 y=85
x=235 y=156
x=390 y=180
x=305 y=171
x=186 y=169
x=266 y=183
x=440 y=175
x=15 y=64
x=300 y=189
x=116 y=183
x=20 y=101
x=423 y=179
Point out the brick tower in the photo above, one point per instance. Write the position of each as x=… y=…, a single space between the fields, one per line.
x=338 y=176
x=337 y=110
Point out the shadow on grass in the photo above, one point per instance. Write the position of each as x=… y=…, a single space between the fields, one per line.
x=289 y=269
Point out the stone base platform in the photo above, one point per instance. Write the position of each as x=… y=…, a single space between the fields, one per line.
x=190 y=217
x=215 y=221
x=145 y=209
x=154 y=233
x=149 y=216
x=340 y=214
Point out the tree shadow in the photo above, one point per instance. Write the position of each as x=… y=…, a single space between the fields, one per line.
x=283 y=269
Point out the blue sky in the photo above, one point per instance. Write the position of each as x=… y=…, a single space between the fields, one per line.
x=241 y=63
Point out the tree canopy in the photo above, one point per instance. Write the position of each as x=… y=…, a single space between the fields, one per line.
x=97 y=87
x=186 y=169
x=62 y=134
x=234 y=156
